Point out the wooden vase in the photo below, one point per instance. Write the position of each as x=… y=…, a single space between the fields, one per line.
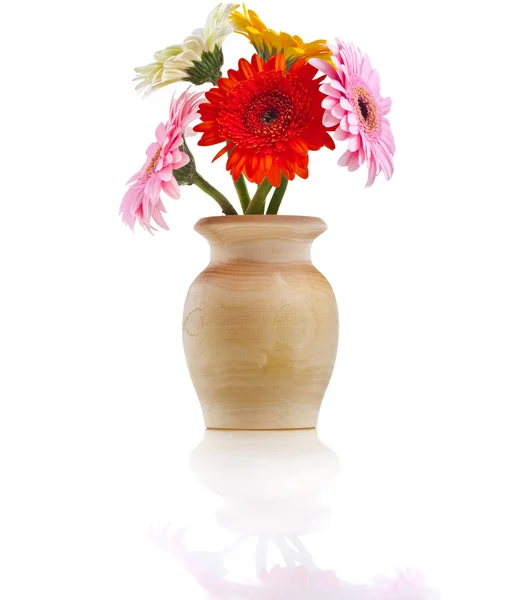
x=260 y=324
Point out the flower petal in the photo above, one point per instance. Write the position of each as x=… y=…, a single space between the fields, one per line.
x=374 y=83
x=356 y=160
x=385 y=105
x=343 y=161
x=366 y=68
x=160 y=133
x=372 y=171
x=329 y=102
x=324 y=67
x=328 y=89
x=171 y=188
x=353 y=143
x=166 y=173
x=329 y=120
x=341 y=135
x=345 y=104
x=338 y=111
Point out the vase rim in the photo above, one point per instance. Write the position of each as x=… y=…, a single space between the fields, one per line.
x=237 y=227
x=260 y=218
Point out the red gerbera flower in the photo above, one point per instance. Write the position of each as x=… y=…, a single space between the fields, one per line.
x=270 y=119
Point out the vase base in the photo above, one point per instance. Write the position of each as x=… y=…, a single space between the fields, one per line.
x=259 y=429
x=261 y=415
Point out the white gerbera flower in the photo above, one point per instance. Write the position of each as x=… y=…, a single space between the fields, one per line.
x=198 y=59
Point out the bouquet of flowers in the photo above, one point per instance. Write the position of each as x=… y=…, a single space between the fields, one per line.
x=288 y=99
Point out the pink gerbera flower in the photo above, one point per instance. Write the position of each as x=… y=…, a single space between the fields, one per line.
x=355 y=106
x=142 y=200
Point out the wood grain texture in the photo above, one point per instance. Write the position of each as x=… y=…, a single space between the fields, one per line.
x=260 y=324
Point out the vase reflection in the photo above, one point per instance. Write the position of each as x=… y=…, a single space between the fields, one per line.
x=272 y=534
x=270 y=481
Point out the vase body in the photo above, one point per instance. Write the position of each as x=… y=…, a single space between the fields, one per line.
x=260 y=324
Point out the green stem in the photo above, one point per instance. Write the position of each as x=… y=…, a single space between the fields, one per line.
x=277 y=196
x=222 y=201
x=241 y=189
x=256 y=206
x=242 y=192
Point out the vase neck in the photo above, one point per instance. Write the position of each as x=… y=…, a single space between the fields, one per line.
x=261 y=251
x=261 y=238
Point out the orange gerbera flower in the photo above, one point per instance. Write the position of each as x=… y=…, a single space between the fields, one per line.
x=269 y=118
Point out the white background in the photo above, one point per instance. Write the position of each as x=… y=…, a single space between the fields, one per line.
x=430 y=271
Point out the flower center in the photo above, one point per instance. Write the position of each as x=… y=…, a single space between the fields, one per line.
x=269 y=116
x=270 y=111
x=363 y=108
x=265 y=111
x=367 y=111
x=152 y=165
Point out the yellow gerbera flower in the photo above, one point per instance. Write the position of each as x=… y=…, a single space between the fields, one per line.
x=268 y=43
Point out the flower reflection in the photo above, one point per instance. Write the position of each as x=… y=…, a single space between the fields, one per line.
x=271 y=483
x=301 y=583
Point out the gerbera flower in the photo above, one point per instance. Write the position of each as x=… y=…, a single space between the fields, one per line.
x=267 y=42
x=198 y=59
x=271 y=119
x=142 y=200
x=354 y=104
